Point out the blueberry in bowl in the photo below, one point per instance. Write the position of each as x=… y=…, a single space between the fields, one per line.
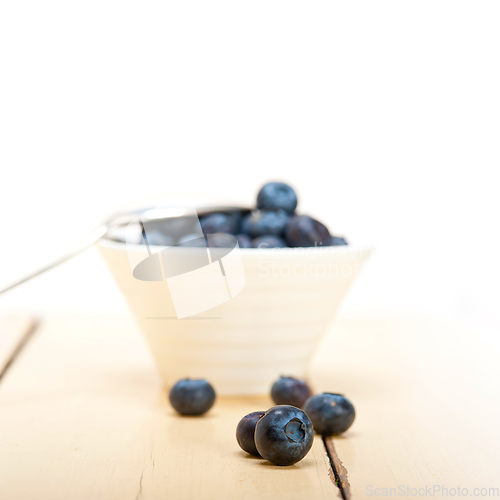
x=265 y=222
x=277 y=195
x=220 y=240
x=290 y=391
x=244 y=241
x=245 y=432
x=274 y=216
x=284 y=435
x=219 y=223
x=330 y=413
x=304 y=231
x=192 y=397
x=268 y=241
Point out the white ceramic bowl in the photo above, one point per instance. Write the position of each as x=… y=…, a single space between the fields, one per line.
x=270 y=328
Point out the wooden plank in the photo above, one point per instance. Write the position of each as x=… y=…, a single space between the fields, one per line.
x=82 y=415
x=427 y=398
x=15 y=330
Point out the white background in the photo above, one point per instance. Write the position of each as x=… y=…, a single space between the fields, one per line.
x=385 y=116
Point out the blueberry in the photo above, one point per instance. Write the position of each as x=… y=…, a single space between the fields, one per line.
x=221 y=240
x=276 y=195
x=290 y=391
x=192 y=397
x=337 y=241
x=219 y=223
x=237 y=217
x=330 y=413
x=263 y=222
x=303 y=231
x=284 y=435
x=268 y=242
x=244 y=241
x=245 y=432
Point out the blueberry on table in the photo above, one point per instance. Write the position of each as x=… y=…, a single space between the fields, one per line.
x=219 y=223
x=330 y=413
x=245 y=432
x=337 y=241
x=284 y=435
x=290 y=391
x=192 y=397
x=276 y=195
x=268 y=242
x=304 y=231
x=244 y=241
x=263 y=222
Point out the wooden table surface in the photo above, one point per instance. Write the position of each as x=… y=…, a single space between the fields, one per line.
x=83 y=416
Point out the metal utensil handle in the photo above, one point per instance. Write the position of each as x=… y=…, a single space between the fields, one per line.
x=87 y=242
x=123 y=218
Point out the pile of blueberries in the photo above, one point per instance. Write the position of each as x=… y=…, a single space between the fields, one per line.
x=283 y=435
x=273 y=224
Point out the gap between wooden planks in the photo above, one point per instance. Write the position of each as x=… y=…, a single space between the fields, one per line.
x=427 y=400
x=82 y=415
x=15 y=331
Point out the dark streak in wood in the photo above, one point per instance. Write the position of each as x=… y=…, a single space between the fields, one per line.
x=338 y=469
x=139 y=493
x=19 y=347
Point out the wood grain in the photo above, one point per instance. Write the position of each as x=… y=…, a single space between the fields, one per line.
x=427 y=400
x=83 y=416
